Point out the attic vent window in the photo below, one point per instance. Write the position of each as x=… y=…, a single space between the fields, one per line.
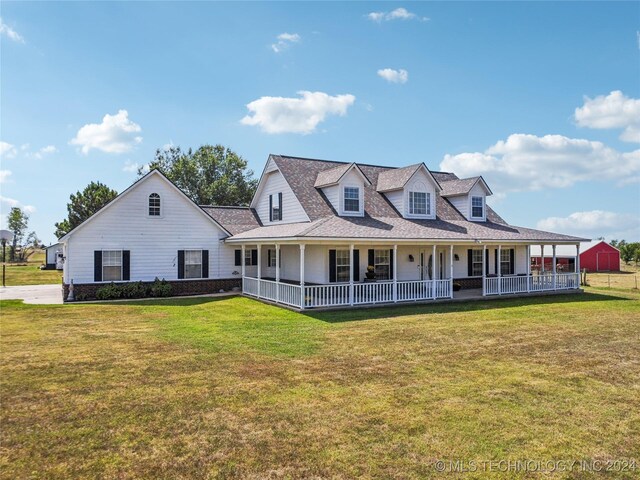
x=154 y=205
x=351 y=199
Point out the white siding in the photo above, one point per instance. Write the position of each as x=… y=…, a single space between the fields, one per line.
x=333 y=195
x=397 y=200
x=272 y=184
x=153 y=241
x=461 y=203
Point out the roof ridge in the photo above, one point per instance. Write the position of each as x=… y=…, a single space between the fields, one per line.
x=224 y=206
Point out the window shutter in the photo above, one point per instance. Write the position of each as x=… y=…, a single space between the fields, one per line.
x=97 y=266
x=486 y=262
x=496 y=262
x=391 y=264
x=126 y=265
x=512 y=261
x=371 y=258
x=280 y=206
x=254 y=257
x=271 y=208
x=205 y=263
x=470 y=262
x=332 y=266
x=356 y=265
x=268 y=257
x=238 y=258
x=180 y=263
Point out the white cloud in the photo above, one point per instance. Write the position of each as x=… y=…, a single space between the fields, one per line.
x=296 y=115
x=4 y=175
x=612 y=111
x=594 y=224
x=284 y=41
x=10 y=32
x=11 y=202
x=7 y=150
x=528 y=162
x=394 y=76
x=397 y=14
x=49 y=149
x=130 y=166
x=116 y=134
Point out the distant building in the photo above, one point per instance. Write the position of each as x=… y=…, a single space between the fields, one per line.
x=596 y=256
x=54 y=258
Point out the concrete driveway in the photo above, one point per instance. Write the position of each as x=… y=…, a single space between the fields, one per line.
x=42 y=294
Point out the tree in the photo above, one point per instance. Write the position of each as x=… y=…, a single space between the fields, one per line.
x=629 y=251
x=84 y=204
x=212 y=175
x=17 y=221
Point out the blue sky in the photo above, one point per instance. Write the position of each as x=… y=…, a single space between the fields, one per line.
x=540 y=98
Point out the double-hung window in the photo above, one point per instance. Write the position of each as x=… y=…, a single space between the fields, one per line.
x=272 y=257
x=352 y=199
x=505 y=261
x=476 y=263
x=248 y=257
x=193 y=264
x=382 y=264
x=154 y=205
x=112 y=265
x=477 y=207
x=342 y=265
x=276 y=208
x=419 y=203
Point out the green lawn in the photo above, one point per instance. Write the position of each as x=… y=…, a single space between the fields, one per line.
x=232 y=388
x=30 y=274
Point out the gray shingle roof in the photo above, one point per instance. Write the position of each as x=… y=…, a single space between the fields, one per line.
x=459 y=186
x=396 y=178
x=234 y=219
x=381 y=219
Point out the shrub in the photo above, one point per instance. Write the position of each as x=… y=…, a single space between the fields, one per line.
x=456 y=287
x=109 y=292
x=160 y=288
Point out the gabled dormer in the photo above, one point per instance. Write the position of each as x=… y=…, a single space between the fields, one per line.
x=274 y=200
x=411 y=190
x=344 y=187
x=468 y=196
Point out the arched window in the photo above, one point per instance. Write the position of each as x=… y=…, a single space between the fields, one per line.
x=154 y=205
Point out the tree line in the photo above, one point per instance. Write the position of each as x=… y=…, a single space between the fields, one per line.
x=629 y=252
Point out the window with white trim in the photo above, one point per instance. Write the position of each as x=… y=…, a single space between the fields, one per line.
x=419 y=203
x=477 y=207
x=505 y=261
x=272 y=257
x=112 y=265
x=382 y=264
x=352 y=199
x=276 y=208
x=248 y=257
x=476 y=263
x=342 y=266
x=154 y=205
x=193 y=264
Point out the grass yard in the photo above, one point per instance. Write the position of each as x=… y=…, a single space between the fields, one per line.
x=232 y=388
x=30 y=273
x=628 y=277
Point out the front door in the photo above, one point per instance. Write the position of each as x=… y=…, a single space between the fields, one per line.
x=426 y=264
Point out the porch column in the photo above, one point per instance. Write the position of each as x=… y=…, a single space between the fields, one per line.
x=542 y=259
x=302 y=275
x=242 y=266
x=259 y=269
x=553 y=248
x=433 y=272
x=577 y=265
x=351 y=248
x=451 y=271
x=484 y=269
x=528 y=268
x=395 y=273
x=499 y=272
x=277 y=272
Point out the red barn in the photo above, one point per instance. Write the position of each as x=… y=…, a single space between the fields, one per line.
x=601 y=257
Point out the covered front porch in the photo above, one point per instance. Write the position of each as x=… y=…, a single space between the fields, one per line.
x=323 y=275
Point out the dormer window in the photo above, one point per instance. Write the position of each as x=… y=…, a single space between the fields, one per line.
x=477 y=207
x=352 y=199
x=154 y=205
x=275 y=207
x=419 y=203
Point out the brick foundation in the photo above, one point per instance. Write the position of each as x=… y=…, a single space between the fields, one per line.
x=467 y=283
x=87 y=291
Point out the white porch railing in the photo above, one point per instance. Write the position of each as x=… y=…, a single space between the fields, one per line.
x=275 y=291
x=535 y=283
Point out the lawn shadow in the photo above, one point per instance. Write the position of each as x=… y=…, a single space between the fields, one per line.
x=375 y=312
x=166 y=302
